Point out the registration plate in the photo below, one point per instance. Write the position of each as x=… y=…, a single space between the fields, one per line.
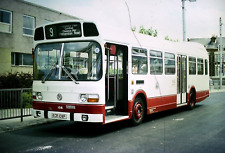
x=59 y=116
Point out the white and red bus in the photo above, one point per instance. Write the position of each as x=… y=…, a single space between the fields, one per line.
x=90 y=73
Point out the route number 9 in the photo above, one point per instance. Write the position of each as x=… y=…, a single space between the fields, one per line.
x=51 y=32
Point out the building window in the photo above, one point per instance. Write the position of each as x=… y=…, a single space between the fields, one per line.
x=21 y=59
x=139 y=61
x=192 y=65
x=169 y=60
x=217 y=57
x=13 y=58
x=200 y=66
x=156 y=62
x=5 y=21
x=28 y=25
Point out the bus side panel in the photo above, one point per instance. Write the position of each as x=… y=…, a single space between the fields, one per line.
x=201 y=85
x=158 y=104
x=200 y=95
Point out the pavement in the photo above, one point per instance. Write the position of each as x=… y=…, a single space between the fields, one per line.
x=213 y=89
x=16 y=124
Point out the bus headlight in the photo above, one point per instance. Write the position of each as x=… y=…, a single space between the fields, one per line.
x=37 y=95
x=89 y=98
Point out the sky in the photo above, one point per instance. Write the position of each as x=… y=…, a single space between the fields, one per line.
x=202 y=16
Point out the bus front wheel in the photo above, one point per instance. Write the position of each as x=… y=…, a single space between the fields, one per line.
x=138 y=111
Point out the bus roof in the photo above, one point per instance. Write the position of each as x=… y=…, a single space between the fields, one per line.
x=126 y=36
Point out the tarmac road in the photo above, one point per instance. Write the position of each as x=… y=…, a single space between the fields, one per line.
x=176 y=131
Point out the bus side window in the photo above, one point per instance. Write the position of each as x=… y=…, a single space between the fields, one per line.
x=192 y=65
x=169 y=60
x=206 y=67
x=200 y=66
x=156 y=62
x=139 y=61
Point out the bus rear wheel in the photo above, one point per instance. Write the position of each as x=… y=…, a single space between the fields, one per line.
x=138 y=111
x=192 y=100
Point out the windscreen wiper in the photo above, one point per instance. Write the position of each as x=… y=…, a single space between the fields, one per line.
x=49 y=73
x=69 y=74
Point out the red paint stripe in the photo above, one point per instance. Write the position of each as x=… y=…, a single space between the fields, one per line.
x=158 y=104
x=89 y=109
x=201 y=95
x=130 y=108
x=157 y=101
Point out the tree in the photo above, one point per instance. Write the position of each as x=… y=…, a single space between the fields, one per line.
x=167 y=38
x=150 y=31
x=134 y=28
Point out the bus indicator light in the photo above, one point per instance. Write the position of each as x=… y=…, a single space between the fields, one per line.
x=93 y=98
x=34 y=95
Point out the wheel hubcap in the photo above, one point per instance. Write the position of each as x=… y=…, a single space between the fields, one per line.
x=138 y=111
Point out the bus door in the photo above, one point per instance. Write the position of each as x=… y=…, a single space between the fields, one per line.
x=116 y=80
x=181 y=79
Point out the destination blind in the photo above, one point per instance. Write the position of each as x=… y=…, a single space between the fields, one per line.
x=63 y=30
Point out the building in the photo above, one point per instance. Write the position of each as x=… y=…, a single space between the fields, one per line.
x=211 y=45
x=17 y=22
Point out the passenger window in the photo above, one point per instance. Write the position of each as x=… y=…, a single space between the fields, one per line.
x=200 y=66
x=192 y=65
x=139 y=61
x=169 y=60
x=156 y=62
x=206 y=67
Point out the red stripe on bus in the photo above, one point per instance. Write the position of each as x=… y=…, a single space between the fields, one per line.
x=201 y=95
x=158 y=104
x=155 y=104
x=75 y=108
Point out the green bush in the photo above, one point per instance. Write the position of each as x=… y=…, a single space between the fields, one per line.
x=16 y=80
x=27 y=99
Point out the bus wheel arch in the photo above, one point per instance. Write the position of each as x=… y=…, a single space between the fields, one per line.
x=139 y=109
x=192 y=99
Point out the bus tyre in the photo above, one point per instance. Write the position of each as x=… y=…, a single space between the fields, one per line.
x=138 y=111
x=192 y=101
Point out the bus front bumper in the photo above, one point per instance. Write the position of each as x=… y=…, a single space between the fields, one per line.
x=70 y=112
x=80 y=117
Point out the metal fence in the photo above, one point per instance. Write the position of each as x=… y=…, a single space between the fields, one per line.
x=15 y=103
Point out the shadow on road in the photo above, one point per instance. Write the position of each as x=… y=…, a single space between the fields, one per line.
x=86 y=130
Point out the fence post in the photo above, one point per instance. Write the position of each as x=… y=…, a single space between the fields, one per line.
x=21 y=104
